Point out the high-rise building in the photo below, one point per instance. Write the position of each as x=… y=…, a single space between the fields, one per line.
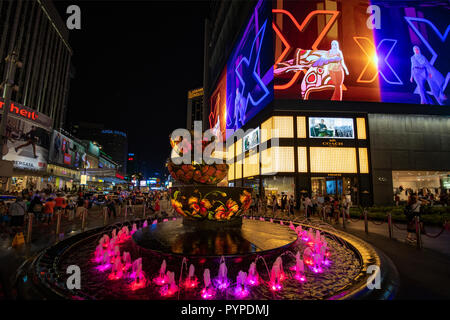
x=113 y=142
x=332 y=100
x=37 y=32
x=194 y=107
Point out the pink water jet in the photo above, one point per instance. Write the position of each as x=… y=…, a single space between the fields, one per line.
x=208 y=291
x=161 y=279
x=241 y=290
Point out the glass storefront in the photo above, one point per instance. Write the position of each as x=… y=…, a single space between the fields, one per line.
x=276 y=185
x=334 y=186
x=419 y=181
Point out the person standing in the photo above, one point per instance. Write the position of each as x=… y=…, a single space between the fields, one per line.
x=412 y=210
x=308 y=206
x=17 y=212
x=291 y=204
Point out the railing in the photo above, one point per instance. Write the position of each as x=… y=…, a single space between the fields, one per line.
x=66 y=222
x=328 y=215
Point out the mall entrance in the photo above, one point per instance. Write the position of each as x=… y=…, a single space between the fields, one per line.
x=334 y=186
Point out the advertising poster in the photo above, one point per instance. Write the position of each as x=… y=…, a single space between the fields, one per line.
x=341 y=128
x=217 y=116
x=65 y=151
x=28 y=138
x=352 y=50
x=250 y=69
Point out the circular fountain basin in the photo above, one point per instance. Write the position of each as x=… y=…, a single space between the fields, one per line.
x=176 y=237
x=344 y=278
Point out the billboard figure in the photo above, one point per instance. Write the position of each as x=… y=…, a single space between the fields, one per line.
x=56 y=147
x=31 y=138
x=334 y=60
x=240 y=108
x=422 y=70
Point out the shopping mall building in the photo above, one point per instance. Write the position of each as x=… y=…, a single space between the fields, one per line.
x=332 y=99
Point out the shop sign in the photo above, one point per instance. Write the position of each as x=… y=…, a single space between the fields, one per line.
x=335 y=175
x=332 y=143
x=21 y=112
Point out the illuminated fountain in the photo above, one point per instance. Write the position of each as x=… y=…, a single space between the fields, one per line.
x=214 y=238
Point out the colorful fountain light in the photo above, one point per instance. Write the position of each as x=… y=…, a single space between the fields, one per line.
x=99 y=253
x=155 y=221
x=145 y=225
x=253 y=277
x=134 y=228
x=161 y=279
x=276 y=275
x=138 y=276
x=208 y=291
x=241 y=290
x=105 y=263
x=171 y=287
x=192 y=281
x=299 y=268
x=222 y=281
x=126 y=261
x=117 y=270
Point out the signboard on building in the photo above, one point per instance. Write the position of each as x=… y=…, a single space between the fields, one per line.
x=64 y=150
x=251 y=140
x=28 y=138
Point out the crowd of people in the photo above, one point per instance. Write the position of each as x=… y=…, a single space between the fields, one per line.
x=44 y=205
x=430 y=197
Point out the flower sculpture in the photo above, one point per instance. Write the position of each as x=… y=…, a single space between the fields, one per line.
x=214 y=205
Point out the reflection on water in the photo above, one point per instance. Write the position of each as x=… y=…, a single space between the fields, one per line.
x=208 y=242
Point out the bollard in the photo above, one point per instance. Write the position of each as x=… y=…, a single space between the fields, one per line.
x=58 y=223
x=30 y=227
x=390 y=225
x=83 y=220
x=105 y=216
x=418 y=233
x=143 y=210
x=343 y=218
x=366 y=223
x=126 y=212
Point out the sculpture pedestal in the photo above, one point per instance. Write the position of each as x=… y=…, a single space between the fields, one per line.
x=235 y=223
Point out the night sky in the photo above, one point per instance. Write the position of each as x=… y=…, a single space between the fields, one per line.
x=134 y=63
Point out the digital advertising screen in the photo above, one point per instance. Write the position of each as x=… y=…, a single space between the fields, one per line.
x=353 y=50
x=250 y=69
x=218 y=103
x=341 y=128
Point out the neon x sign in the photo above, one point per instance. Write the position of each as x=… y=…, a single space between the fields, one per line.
x=248 y=66
x=383 y=50
x=300 y=28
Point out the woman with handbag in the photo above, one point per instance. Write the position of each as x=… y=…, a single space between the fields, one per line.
x=412 y=210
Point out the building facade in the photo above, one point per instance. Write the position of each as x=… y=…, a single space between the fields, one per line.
x=328 y=103
x=113 y=142
x=40 y=37
x=194 y=107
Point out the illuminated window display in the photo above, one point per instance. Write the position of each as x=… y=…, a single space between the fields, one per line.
x=302 y=160
x=361 y=127
x=363 y=160
x=301 y=127
x=425 y=181
x=277 y=185
x=333 y=160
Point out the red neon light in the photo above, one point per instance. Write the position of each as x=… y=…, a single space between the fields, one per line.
x=22 y=112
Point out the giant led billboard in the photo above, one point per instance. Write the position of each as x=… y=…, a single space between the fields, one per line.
x=353 y=50
x=65 y=151
x=250 y=69
x=218 y=103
